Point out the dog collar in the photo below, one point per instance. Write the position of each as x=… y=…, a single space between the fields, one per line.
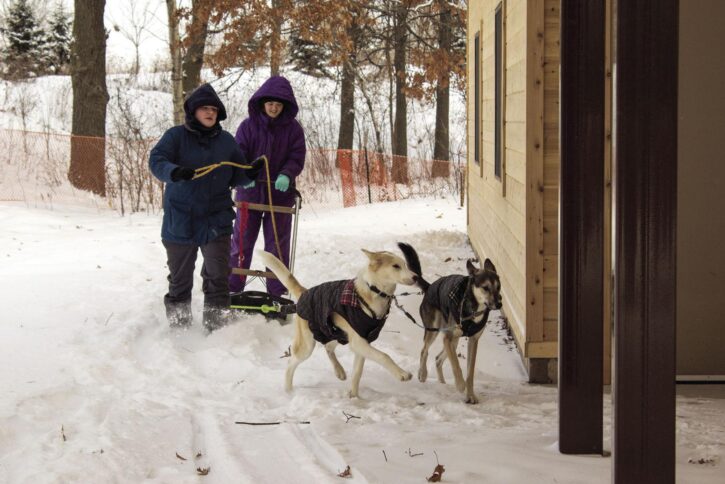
x=379 y=292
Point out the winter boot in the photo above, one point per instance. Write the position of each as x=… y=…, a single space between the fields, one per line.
x=178 y=313
x=215 y=317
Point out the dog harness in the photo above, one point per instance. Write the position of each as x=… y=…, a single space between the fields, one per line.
x=448 y=294
x=318 y=303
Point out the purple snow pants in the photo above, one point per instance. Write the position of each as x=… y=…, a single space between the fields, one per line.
x=255 y=220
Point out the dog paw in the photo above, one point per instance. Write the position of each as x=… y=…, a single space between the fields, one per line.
x=471 y=399
x=340 y=373
x=353 y=394
x=422 y=375
x=405 y=376
x=461 y=386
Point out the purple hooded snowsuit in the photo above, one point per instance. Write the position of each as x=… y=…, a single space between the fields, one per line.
x=283 y=142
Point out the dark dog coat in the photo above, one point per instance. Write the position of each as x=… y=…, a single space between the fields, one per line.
x=319 y=302
x=448 y=295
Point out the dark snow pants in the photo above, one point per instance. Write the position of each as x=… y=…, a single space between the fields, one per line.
x=255 y=220
x=181 y=260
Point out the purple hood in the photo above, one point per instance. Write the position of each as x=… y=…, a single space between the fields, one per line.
x=275 y=87
x=281 y=139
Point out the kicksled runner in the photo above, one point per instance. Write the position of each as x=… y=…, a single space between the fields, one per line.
x=260 y=302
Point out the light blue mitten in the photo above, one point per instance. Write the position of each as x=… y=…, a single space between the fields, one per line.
x=282 y=183
x=249 y=184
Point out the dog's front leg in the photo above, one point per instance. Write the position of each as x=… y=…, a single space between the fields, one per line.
x=359 y=346
x=339 y=370
x=357 y=369
x=449 y=344
x=471 y=368
x=428 y=339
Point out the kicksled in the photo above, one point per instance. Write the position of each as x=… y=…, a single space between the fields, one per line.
x=260 y=302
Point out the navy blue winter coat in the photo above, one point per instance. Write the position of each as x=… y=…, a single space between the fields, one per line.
x=201 y=210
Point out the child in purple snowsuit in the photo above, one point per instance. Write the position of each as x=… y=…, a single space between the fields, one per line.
x=272 y=130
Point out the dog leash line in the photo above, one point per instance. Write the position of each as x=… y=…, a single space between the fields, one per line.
x=410 y=316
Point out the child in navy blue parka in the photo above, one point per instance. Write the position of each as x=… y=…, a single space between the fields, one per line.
x=198 y=213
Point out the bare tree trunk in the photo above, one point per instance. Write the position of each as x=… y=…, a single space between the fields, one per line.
x=177 y=88
x=441 y=149
x=391 y=90
x=400 y=140
x=347 y=107
x=88 y=76
x=275 y=54
x=376 y=125
x=136 y=60
x=194 y=58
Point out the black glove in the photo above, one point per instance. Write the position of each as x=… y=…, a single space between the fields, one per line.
x=182 y=173
x=255 y=167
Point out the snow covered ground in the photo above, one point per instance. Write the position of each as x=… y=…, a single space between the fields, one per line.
x=97 y=388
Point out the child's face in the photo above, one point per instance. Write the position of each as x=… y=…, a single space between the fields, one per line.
x=273 y=108
x=206 y=115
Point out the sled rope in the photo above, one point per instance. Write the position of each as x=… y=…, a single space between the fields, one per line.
x=205 y=170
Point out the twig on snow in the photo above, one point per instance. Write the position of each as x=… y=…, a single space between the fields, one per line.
x=349 y=416
x=410 y=453
x=271 y=423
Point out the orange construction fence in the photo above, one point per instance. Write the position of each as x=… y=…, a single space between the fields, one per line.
x=44 y=168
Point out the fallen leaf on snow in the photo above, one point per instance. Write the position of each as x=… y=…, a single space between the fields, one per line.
x=437 y=474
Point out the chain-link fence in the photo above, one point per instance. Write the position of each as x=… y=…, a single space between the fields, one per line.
x=41 y=169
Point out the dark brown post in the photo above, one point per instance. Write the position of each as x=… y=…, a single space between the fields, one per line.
x=581 y=226
x=645 y=245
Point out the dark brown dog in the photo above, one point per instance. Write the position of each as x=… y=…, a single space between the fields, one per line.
x=456 y=306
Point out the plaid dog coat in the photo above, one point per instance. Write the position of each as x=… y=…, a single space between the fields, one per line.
x=319 y=302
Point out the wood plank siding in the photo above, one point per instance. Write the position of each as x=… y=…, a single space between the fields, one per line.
x=551 y=171
x=513 y=219
x=497 y=207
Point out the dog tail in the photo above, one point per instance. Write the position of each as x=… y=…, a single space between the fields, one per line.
x=282 y=273
x=411 y=258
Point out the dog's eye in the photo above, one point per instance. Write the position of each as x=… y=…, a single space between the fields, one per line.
x=397 y=266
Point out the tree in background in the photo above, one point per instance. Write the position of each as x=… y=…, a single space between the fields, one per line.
x=187 y=50
x=339 y=30
x=177 y=76
x=194 y=42
x=59 y=40
x=438 y=54
x=308 y=57
x=134 y=27
x=90 y=97
x=417 y=44
x=252 y=33
x=25 y=54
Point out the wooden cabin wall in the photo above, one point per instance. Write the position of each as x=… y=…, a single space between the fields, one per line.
x=497 y=207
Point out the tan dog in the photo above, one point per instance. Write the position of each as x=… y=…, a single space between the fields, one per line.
x=345 y=311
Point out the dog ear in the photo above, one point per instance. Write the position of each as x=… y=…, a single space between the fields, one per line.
x=471 y=268
x=373 y=258
x=488 y=265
